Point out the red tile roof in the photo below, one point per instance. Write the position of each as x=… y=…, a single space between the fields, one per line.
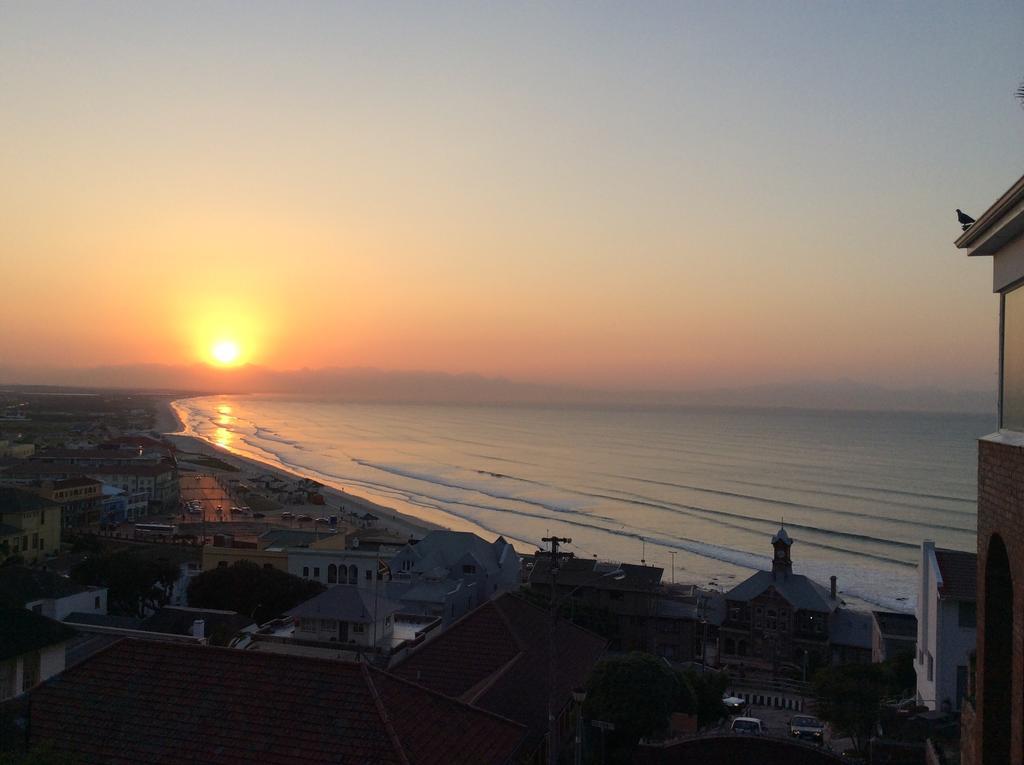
x=496 y=658
x=162 y=703
x=959 y=574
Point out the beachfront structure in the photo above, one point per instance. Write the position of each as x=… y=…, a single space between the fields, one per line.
x=449 y=573
x=946 y=625
x=32 y=650
x=331 y=566
x=29 y=525
x=351 y=615
x=993 y=720
x=159 y=482
x=777 y=617
x=194 y=703
x=621 y=600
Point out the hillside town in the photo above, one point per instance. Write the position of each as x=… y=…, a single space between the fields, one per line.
x=162 y=603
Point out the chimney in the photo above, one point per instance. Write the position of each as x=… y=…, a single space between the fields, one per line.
x=199 y=628
x=832 y=580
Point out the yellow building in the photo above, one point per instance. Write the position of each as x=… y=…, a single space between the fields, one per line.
x=29 y=525
x=215 y=556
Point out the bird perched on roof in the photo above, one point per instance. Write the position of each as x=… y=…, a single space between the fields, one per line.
x=965 y=219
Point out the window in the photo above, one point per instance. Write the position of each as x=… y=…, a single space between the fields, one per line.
x=222 y=564
x=468 y=569
x=316 y=572
x=35 y=541
x=353 y=574
x=332 y=574
x=369 y=575
x=42 y=518
x=305 y=572
x=931 y=668
x=967 y=614
x=359 y=628
x=1012 y=360
x=96 y=602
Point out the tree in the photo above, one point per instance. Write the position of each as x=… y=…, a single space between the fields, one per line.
x=136 y=583
x=850 y=698
x=245 y=587
x=702 y=695
x=637 y=693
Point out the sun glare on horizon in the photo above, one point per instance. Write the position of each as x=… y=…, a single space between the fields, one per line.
x=226 y=352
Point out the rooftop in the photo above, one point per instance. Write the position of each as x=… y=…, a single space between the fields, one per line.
x=22 y=631
x=798 y=590
x=346 y=604
x=1000 y=223
x=959 y=571
x=496 y=658
x=579 y=572
x=893 y=624
x=233 y=707
x=14 y=500
x=20 y=585
x=177 y=620
x=851 y=628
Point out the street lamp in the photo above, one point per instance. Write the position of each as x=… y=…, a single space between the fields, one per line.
x=616 y=574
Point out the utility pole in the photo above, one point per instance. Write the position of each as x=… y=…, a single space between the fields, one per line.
x=673 y=554
x=554 y=557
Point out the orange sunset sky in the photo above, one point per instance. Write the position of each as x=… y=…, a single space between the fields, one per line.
x=677 y=195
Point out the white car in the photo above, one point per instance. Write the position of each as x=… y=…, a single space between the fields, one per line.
x=751 y=725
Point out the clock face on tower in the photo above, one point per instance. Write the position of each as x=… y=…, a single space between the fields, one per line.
x=780 y=554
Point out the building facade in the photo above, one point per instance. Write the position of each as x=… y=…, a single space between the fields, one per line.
x=946 y=626
x=29 y=525
x=994 y=723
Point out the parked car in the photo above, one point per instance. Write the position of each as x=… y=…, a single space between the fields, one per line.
x=324 y=521
x=734 y=705
x=304 y=518
x=287 y=516
x=751 y=725
x=258 y=515
x=807 y=728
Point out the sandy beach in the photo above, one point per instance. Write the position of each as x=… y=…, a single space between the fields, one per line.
x=168 y=423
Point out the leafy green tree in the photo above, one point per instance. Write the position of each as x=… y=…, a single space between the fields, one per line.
x=637 y=693
x=245 y=587
x=137 y=583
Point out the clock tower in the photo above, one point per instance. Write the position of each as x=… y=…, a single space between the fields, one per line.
x=782 y=563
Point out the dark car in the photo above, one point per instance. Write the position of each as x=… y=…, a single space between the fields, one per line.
x=304 y=518
x=258 y=515
x=807 y=728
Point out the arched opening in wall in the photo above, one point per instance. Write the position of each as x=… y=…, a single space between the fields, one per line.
x=332 y=574
x=995 y=746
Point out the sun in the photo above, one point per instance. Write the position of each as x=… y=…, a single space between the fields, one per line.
x=226 y=352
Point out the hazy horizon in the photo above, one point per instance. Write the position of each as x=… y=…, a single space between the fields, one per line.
x=677 y=196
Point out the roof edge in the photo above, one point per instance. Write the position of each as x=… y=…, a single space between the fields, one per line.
x=984 y=224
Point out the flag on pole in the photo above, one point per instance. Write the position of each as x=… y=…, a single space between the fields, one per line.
x=383 y=569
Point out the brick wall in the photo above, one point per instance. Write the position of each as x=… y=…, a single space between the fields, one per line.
x=1000 y=512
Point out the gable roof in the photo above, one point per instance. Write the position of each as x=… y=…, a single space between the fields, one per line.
x=347 y=604
x=442 y=549
x=233 y=707
x=14 y=500
x=959 y=571
x=22 y=631
x=496 y=657
x=798 y=590
x=20 y=585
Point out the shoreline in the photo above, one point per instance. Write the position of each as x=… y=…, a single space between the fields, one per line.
x=171 y=427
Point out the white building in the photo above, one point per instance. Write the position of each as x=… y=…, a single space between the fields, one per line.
x=50 y=594
x=32 y=649
x=356 y=566
x=350 y=615
x=946 y=619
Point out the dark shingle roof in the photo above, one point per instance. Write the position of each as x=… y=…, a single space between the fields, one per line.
x=959 y=574
x=174 y=620
x=346 y=604
x=894 y=624
x=583 y=572
x=22 y=631
x=496 y=658
x=162 y=703
x=14 y=500
x=799 y=591
x=20 y=585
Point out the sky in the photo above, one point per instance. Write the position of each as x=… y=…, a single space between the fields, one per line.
x=633 y=195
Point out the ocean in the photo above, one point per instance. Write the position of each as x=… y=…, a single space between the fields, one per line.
x=698 y=492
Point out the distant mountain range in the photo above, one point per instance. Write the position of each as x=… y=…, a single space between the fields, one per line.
x=374 y=385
